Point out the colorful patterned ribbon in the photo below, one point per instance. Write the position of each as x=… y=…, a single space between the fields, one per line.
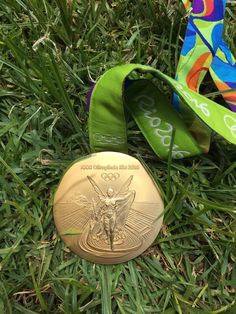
x=205 y=50
x=131 y=86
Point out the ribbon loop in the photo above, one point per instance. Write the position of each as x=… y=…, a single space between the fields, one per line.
x=153 y=113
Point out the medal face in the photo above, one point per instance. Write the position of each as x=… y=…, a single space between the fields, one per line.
x=107 y=208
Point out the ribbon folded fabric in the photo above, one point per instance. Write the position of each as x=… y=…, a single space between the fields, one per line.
x=152 y=112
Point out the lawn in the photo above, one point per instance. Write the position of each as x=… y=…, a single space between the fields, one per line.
x=51 y=52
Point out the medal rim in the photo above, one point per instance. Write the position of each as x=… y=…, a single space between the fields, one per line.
x=121 y=259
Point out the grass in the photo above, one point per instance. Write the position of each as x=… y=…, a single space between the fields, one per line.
x=50 y=53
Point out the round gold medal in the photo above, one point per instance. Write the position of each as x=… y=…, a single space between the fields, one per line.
x=107 y=208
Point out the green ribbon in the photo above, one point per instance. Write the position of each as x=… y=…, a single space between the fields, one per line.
x=153 y=113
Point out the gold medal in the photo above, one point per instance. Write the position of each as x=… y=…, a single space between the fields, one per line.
x=107 y=208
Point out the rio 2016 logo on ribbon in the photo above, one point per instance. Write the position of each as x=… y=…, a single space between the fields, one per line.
x=163 y=130
x=202 y=106
x=230 y=122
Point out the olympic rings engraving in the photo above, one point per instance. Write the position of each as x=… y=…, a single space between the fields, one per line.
x=110 y=176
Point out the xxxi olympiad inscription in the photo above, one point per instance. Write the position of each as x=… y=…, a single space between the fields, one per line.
x=109 y=167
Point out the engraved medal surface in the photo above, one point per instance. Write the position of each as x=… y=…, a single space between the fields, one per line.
x=107 y=208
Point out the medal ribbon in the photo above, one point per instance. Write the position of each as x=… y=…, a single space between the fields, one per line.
x=132 y=86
